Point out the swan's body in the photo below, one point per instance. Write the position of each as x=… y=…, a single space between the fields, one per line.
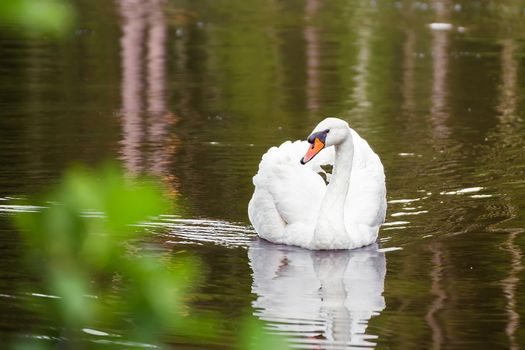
x=292 y=204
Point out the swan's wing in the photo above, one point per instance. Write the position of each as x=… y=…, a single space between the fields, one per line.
x=295 y=190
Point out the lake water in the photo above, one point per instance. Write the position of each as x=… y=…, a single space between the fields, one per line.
x=196 y=91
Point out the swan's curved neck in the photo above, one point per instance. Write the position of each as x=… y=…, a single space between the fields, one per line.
x=330 y=225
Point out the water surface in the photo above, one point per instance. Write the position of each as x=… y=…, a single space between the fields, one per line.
x=195 y=92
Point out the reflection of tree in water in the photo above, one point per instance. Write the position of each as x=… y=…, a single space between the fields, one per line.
x=438 y=118
x=327 y=296
x=360 y=95
x=440 y=45
x=147 y=144
x=437 y=289
x=508 y=133
x=440 y=132
x=506 y=141
x=510 y=285
x=408 y=85
x=311 y=36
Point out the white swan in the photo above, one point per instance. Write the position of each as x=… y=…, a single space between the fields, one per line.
x=292 y=204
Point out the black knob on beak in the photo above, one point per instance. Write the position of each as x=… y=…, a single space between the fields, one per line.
x=319 y=135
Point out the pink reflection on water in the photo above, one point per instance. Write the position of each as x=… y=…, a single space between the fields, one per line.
x=507 y=133
x=131 y=42
x=408 y=86
x=360 y=94
x=440 y=130
x=440 y=44
x=311 y=36
x=156 y=62
x=146 y=143
x=438 y=290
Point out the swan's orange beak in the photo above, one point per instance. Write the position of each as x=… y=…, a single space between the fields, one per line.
x=315 y=148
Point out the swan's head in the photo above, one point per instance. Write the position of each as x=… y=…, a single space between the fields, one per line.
x=330 y=132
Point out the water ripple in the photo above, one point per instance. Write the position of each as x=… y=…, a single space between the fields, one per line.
x=13 y=208
x=199 y=231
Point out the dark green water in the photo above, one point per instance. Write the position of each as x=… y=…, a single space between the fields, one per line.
x=197 y=91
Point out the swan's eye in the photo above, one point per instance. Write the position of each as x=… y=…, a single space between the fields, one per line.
x=327 y=131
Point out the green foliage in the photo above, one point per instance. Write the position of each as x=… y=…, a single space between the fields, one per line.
x=253 y=337
x=85 y=247
x=78 y=245
x=36 y=17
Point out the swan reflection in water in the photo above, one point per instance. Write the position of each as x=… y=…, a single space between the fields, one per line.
x=326 y=296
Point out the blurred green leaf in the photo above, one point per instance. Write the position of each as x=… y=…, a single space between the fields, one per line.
x=37 y=17
x=72 y=288
x=35 y=345
x=254 y=337
x=85 y=247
